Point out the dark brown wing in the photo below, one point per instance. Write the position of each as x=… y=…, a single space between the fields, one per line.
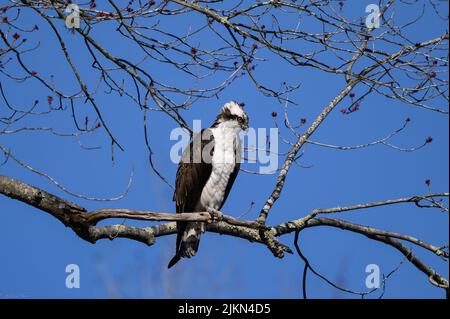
x=192 y=177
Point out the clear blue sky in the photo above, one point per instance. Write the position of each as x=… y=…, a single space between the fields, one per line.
x=35 y=247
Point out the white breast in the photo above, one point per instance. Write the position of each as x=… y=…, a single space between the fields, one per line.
x=227 y=146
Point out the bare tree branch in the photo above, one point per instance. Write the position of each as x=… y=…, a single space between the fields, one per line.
x=83 y=223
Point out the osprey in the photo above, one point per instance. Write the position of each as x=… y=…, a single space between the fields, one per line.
x=205 y=174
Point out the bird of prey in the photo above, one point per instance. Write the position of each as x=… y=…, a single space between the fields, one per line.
x=206 y=173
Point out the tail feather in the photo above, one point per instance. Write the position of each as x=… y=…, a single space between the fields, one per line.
x=174 y=260
x=189 y=243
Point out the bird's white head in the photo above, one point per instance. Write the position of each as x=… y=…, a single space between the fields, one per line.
x=235 y=113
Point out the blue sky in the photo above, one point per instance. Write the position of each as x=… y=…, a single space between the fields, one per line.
x=35 y=247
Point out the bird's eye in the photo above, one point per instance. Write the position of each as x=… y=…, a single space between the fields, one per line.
x=240 y=120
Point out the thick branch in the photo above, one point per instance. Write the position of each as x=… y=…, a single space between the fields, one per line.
x=83 y=222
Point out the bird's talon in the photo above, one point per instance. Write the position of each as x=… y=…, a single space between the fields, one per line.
x=215 y=214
